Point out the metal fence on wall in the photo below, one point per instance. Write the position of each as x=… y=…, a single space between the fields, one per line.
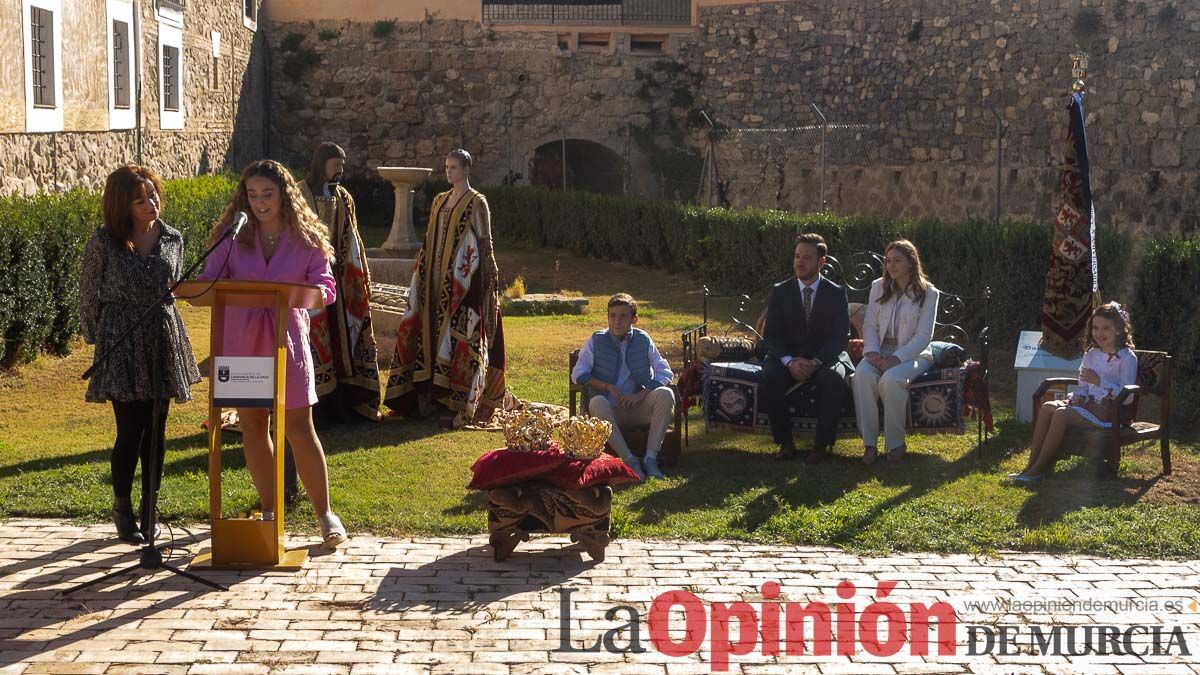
x=843 y=166
x=948 y=165
x=619 y=12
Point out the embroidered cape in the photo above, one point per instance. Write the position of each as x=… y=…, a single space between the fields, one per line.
x=450 y=342
x=344 y=352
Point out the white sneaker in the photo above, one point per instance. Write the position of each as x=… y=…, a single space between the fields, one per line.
x=651 y=466
x=635 y=464
x=332 y=532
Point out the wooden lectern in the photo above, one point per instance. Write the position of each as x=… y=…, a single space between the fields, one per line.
x=246 y=543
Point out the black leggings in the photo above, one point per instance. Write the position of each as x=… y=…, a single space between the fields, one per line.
x=136 y=434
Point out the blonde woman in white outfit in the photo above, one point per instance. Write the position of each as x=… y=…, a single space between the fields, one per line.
x=897 y=329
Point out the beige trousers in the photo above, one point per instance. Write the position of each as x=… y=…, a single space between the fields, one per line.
x=892 y=388
x=655 y=410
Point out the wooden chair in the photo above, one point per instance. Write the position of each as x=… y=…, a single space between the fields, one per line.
x=1153 y=379
x=636 y=437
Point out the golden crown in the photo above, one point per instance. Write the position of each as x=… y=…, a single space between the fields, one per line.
x=584 y=437
x=527 y=430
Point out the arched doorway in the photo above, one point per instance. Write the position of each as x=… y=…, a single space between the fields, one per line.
x=590 y=166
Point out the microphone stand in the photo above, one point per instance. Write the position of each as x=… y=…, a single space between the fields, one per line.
x=151 y=558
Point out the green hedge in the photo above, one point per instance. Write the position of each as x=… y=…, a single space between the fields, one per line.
x=41 y=242
x=1165 y=307
x=741 y=251
x=42 y=237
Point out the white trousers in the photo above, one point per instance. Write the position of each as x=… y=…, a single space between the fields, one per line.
x=892 y=388
x=655 y=410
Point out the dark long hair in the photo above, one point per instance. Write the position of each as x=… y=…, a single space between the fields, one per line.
x=917 y=281
x=1120 y=317
x=316 y=171
x=123 y=186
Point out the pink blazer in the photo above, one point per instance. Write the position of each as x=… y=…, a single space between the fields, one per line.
x=250 y=331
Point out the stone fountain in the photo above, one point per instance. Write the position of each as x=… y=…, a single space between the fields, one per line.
x=392 y=264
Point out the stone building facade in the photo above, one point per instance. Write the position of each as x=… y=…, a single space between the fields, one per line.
x=908 y=90
x=86 y=85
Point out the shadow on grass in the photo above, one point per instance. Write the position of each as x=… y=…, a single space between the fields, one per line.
x=58 y=462
x=366 y=435
x=716 y=474
x=474 y=501
x=1081 y=486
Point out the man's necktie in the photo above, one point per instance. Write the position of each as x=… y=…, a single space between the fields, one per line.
x=808 y=295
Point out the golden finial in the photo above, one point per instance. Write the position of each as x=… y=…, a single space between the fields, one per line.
x=1079 y=64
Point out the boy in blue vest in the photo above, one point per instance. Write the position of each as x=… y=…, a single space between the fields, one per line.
x=626 y=380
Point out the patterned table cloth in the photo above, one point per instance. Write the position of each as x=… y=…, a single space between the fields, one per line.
x=730 y=400
x=516 y=511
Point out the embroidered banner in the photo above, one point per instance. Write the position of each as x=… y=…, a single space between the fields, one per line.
x=1071 y=281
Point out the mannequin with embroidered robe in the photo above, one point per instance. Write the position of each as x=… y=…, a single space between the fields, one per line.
x=450 y=341
x=345 y=356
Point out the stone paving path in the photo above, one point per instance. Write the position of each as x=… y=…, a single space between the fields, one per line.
x=441 y=605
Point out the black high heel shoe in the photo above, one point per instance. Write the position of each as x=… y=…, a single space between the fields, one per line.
x=127 y=528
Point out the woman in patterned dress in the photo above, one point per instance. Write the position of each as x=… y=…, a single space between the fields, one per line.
x=127 y=266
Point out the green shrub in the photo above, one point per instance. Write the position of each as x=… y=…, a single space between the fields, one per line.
x=1164 y=311
x=41 y=244
x=32 y=308
x=383 y=28
x=744 y=251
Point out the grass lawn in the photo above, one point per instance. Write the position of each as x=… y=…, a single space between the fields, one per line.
x=404 y=477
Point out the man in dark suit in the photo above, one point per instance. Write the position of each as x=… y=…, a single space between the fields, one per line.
x=807 y=328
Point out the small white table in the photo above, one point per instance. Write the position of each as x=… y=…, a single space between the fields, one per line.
x=1035 y=364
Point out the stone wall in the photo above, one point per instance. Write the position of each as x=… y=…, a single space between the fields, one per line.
x=408 y=97
x=903 y=85
x=224 y=122
x=921 y=89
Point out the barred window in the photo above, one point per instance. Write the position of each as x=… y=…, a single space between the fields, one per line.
x=250 y=7
x=41 y=32
x=120 y=68
x=170 y=78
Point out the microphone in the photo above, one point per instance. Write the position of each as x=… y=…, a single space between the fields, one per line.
x=239 y=221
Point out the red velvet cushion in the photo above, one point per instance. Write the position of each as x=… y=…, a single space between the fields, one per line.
x=855 y=349
x=506 y=467
x=576 y=474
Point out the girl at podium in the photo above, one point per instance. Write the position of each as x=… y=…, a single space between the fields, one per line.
x=283 y=241
x=127 y=266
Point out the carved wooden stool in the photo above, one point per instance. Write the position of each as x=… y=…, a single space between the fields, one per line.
x=516 y=511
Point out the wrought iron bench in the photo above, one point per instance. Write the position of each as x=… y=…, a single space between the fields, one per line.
x=729 y=396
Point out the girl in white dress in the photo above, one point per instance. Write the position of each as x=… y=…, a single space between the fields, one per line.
x=1108 y=365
